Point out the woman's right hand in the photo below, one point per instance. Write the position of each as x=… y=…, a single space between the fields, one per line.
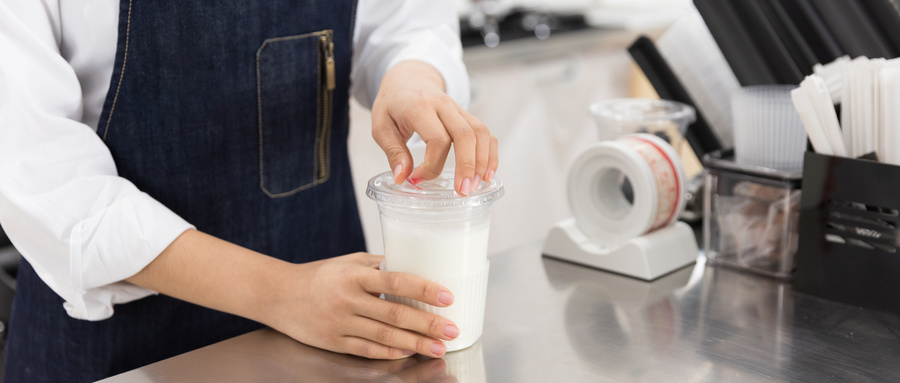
x=334 y=304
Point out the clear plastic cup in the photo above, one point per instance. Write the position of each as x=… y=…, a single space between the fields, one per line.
x=432 y=232
x=667 y=119
x=768 y=131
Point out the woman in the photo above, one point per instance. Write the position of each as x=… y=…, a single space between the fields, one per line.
x=198 y=150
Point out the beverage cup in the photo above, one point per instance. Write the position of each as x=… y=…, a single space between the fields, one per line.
x=768 y=131
x=666 y=119
x=432 y=232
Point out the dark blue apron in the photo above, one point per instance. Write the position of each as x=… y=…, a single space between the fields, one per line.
x=234 y=114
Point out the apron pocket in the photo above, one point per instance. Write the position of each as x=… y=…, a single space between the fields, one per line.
x=294 y=85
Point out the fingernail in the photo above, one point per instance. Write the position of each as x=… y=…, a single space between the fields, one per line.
x=445 y=297
x=490 y=176
x=397 y=170
x=451 y=331
x=408 y=352
x=415 y=181
x=438 y=349
x=464 y=187
x=477 y=183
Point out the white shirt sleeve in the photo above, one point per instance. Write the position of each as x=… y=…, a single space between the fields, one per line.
x=391 y=31
x=81 y=227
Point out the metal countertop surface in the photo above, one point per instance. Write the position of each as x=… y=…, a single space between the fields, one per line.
x=552 y=321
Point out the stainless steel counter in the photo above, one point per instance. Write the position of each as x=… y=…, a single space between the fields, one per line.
x=551 y=321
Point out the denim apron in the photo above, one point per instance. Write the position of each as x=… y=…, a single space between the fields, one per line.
x=234 y=114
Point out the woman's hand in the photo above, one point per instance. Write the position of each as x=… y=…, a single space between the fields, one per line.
x=334 y=304
x=410 y=99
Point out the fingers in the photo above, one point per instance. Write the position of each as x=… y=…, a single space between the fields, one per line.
x=493 y=160
x=472 y=143
x=373 y=350
x=437 y=146
x=400 y=326
x=483 y=145
x=336 y=306
x=397 y=339
x=371 y=261
x=406 y=317
x=442 y=124
x=410 y=99
x=465 y=146
x=390 y=138
x=408 y=285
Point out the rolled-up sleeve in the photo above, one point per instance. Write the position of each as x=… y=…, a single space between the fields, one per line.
x=82 y=228
x=391 y=31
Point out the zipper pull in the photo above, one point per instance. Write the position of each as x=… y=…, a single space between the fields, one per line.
x=329 y=64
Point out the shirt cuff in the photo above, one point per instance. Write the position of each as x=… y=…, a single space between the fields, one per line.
x=134 y=231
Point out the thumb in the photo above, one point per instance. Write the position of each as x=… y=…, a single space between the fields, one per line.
x=400 y=160
x=388 y=137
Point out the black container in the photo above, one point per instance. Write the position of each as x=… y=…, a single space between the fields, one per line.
x=849 y=232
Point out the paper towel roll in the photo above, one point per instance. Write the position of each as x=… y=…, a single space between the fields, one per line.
x=595 y=192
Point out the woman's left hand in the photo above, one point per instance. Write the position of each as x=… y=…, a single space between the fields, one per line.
x=411 y=99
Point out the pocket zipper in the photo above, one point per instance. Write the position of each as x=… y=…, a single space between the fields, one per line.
x=328 y=49
x=328 y=46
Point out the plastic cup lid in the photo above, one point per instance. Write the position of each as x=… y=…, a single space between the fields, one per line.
x=436 y=193
x=641 y=111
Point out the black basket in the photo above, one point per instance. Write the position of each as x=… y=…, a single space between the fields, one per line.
x=848 y=249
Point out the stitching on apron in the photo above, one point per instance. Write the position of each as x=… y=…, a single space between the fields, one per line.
x=112 y=108
x=262 y=184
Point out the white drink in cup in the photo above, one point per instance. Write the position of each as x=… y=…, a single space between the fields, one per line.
x=432 y=232
x=434 y=254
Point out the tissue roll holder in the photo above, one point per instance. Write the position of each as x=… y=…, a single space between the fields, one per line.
x=646 y=257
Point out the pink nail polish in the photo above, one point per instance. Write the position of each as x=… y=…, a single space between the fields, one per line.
x=477 y=183
x=445 y=297
x=408 y=352
x=438 y=349
x=397 y=170
x=490 y=176
x=451 y=331
x=464 y=188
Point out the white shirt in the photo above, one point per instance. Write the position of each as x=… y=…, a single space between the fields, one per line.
x=83 y=228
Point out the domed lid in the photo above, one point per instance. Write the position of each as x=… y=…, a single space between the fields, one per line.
x=644 y=112
x=436 y=193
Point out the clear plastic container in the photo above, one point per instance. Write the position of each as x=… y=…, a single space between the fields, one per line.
x=432 y=232
x=667 y=119
x=750 y=216
x=768 y=131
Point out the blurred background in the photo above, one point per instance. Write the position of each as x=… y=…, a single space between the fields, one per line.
x=535 y=67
